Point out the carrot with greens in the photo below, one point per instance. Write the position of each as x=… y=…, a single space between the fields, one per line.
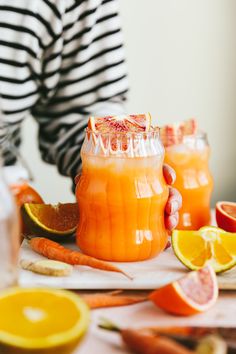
x=140 y=342
x=110 y=299
x=55 y=251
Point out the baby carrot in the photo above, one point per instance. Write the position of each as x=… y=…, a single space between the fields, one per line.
x=55 y=251
x=111 y=299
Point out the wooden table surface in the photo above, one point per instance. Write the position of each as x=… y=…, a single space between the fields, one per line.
x=146 y=314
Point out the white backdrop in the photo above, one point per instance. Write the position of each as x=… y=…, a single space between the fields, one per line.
x=181 y=58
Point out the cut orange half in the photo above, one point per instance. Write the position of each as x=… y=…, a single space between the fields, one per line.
x=194 y=293
x=209 y=245
x=53 y=221
x=226 y=216
x=44 y=321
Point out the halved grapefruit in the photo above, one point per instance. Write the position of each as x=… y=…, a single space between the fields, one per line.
x=226 y=216
x=196 y=292
x=121 y=123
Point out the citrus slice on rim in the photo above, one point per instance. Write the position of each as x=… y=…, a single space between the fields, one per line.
x=172 y=134
x=53 y=221
x=38 y=320
x=209 y=245
x=121 y=123
x=111 y=131
x=226 y=216
x=196 y=292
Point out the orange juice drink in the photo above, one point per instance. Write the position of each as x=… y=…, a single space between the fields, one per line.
x=189 y=158
x=122 y=196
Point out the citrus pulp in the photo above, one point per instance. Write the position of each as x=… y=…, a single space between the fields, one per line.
x=208 y=245
x=52 y=221
x=41 y=321
x=196 y=292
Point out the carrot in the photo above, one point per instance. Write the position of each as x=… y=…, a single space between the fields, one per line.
x=144 y=343
x=55 y=251
x=111 y=299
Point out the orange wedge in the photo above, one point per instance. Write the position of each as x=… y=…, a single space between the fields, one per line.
x=194 y=293
x=209 y=245
x=52 y=221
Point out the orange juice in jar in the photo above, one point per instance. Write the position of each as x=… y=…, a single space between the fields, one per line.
x=188 y=154
x=122 y=196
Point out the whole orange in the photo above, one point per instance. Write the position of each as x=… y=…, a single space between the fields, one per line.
x=24 y=193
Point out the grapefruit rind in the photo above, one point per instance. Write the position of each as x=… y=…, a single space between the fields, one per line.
x=218 y=268
x=38 y=228
x=68 y=337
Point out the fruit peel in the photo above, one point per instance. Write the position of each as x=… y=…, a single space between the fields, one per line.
x=224 y=220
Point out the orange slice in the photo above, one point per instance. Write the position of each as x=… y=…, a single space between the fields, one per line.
x=226 y=216
x=44 y=321
x=209 y=245
x=196 y=292
x=51 y=221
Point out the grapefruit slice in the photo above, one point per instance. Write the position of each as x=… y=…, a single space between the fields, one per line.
x=196 y=292
x=44 y=321
x=172 y=134
x=122 y=123
x=56 y=222
x=226 y=216
x=208 y=245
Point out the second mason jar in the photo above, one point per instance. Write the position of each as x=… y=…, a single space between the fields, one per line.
x=189 y=156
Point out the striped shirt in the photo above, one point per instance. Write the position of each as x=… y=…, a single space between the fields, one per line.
x=60 y=61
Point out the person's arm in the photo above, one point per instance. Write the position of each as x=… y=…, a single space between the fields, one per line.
x=84 y=73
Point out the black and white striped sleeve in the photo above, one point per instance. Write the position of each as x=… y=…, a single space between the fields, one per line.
x=60 y=60
x=84 y=73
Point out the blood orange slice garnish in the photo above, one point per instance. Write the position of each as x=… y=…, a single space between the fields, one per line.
x=122 y=123
x=112 y=128
x=172 y=134
x=196 y=292
x=226 y=216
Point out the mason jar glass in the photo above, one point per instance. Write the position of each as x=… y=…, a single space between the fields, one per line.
x=122 y=196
